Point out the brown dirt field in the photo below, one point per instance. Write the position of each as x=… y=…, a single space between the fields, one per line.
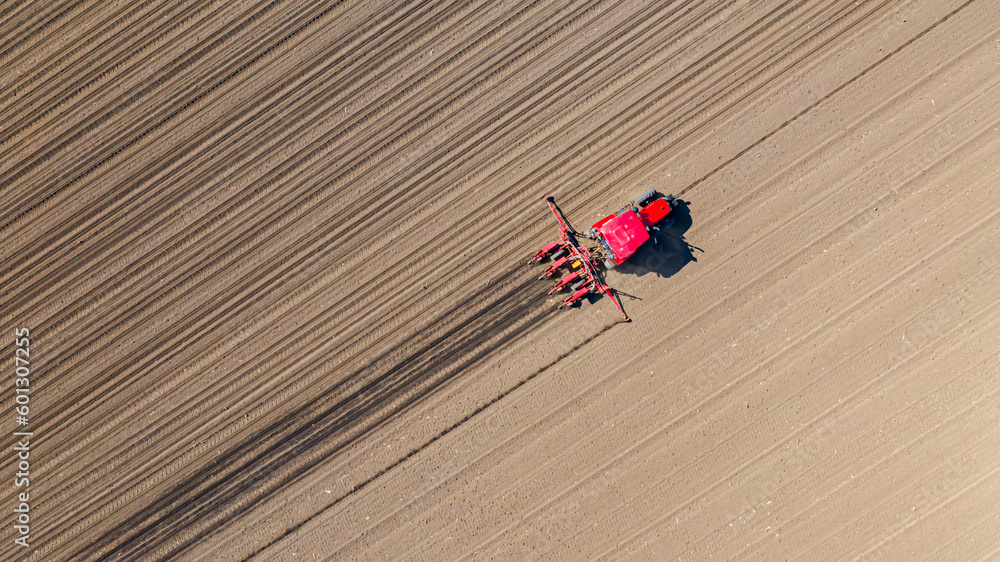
x=271 y=256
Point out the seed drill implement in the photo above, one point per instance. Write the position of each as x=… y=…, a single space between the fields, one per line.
x=618 y=235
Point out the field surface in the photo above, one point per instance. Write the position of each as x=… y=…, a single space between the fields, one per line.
x=271 y=255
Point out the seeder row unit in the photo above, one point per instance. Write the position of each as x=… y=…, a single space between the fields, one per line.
x=583 y=277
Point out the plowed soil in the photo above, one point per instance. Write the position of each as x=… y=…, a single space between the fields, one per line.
x=272 y=260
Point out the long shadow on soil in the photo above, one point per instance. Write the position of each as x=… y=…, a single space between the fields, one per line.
x=233 y=484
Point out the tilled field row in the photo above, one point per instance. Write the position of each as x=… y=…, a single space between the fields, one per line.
x=252 y=237
x=964 y=108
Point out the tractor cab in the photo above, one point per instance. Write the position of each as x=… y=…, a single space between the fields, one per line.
x=621 y=235
x=622 y=232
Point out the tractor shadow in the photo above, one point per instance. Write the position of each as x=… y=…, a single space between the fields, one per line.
x=667 y=252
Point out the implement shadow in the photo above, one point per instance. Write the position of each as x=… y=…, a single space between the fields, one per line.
x=252 y=470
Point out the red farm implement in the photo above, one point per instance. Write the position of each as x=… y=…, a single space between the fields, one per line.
x=619 y=235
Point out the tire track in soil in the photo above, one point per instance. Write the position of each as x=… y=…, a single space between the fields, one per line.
x=13 y=40
x=192 y=94
x=192 y=504
x=278 y=172
x=869 y=68
x=528 y=476
x=822 y=100
x=702 y=405
x=411 y=375
x=693 y=121
x=62 y=70
x=649 y=111
x=291 y=205
x=203 y=227
x=124 y=66
x=482 y=408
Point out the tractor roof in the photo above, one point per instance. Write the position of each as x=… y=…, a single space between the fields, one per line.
x=624 y=234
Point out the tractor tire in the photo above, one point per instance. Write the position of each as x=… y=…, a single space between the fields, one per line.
x=577 y=285
x=646 y=198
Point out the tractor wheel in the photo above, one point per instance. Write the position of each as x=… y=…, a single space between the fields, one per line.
x=646 y=198
x=577 y=285
x=557 y=255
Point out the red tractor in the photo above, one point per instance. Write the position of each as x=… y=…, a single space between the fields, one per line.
x=619 y=235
